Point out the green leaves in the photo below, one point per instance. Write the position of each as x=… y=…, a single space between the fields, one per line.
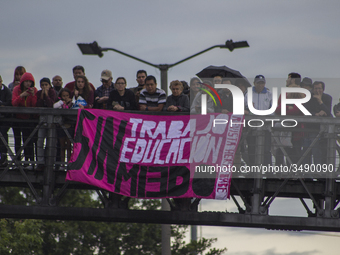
x=42 y=237
x=20 y=237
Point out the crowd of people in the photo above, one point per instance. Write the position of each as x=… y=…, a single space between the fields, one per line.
x=81 y=93
x=78 y=94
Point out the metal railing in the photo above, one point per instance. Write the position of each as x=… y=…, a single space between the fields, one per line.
x=252 y=192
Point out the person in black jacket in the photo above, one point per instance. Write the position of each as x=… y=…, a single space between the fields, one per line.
x=177 y=102
x=5 y=100
x=319 y=105
x=121 y=98
x=226 y=98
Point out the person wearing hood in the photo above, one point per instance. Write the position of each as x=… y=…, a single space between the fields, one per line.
x=24 y=95
x=177 y=102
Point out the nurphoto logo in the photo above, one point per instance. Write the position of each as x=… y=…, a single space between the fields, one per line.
x=239 y=102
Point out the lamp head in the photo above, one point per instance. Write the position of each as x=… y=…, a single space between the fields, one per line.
x=90 y=49
x=234 y=45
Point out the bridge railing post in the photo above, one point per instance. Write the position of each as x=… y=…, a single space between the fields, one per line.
x=257 y=197
x=330 y=192
x=50 y=154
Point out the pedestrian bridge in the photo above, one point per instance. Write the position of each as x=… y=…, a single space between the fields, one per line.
x=252 y=192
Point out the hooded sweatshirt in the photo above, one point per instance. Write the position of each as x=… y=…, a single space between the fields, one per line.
x=28 y=101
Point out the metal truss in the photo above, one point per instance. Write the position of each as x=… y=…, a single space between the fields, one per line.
x=252 y=194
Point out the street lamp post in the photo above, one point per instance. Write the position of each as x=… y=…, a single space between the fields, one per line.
x=95 y=49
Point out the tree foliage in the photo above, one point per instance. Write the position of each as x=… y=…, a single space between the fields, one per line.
x=42 y=237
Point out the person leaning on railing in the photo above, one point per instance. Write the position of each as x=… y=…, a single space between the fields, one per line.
x=177 y=102
x=121 y=98
x=45 y=98
x=151 y=98
x=295 y=151
x=320 y=105
x=65 y=102
x=83 y=93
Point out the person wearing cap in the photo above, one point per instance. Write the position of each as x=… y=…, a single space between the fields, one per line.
x=307 y=83
x=262 y=97
x=262 y=100
x=77 y=70
x=45 y=98
x=5 y=100
x=102 y=93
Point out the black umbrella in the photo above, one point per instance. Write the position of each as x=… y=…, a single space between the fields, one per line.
x=223 y=71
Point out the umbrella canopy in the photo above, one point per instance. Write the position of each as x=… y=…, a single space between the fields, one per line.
x=223 y=71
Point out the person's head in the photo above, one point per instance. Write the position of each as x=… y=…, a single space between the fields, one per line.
x=141 y=75
x=57 y=81
x=120 y=84
x=209 y=83
x=307 y=83
x=150 y=84
x=185 y=87
x=217 y=79
x=45 y=83
x=241 y=84
x=64 y=94
x=293 y=78
x=176 y=88
x=226 y=81
x=78 y=70
x=318 y=87
x=259 y=83
x=82 y=84
x=106 y=78
x=18 y=72
x=26 y=81
x=195 y=84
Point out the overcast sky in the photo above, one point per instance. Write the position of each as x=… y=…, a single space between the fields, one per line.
x=284 y=36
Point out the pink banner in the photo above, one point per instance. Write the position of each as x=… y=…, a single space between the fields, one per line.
x=148 y=156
